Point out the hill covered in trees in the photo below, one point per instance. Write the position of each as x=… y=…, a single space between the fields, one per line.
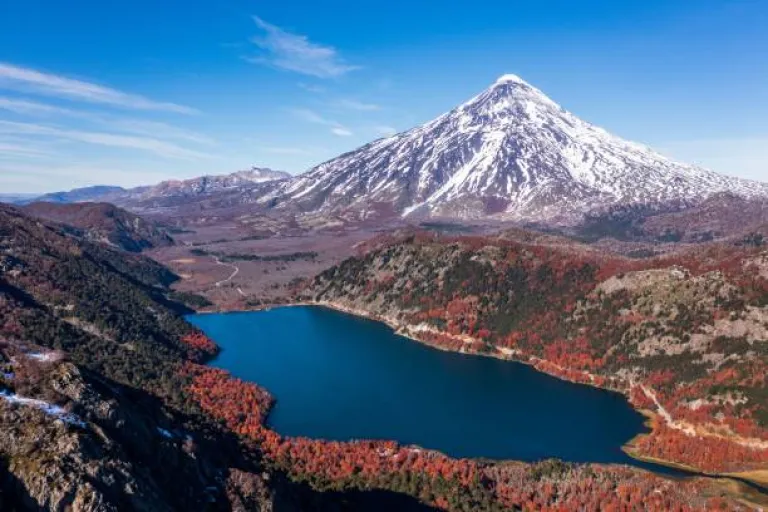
x=683 y=336
x=94 y=403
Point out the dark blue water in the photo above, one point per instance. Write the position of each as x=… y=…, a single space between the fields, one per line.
x=336 y=376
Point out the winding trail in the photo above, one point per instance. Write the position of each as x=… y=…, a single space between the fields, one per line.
x=231 y=277
x=691 y=430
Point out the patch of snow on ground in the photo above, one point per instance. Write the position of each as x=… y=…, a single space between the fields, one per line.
x=46 y=357
x=47 y=408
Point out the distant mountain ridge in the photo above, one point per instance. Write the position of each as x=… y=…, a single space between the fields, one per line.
x=77 y=195
x=167 y=189
x=719 y=216
x=16 y=198
x=206 y=184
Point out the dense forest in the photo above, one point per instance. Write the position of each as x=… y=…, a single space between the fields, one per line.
x=268 y=258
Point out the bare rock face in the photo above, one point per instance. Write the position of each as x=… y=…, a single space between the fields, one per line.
x=510 y=153
x=56 y=460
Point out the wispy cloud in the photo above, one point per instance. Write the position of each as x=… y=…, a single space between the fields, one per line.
x=136 y=126
x=158 y=129
x=30 y=80
x=358 y=105
x=341 y=132
x=311 y=116
x=34 y=108
x=14 y=150
x=312 y=88
x=156 y=146
x=386 y=131
x=295 y=52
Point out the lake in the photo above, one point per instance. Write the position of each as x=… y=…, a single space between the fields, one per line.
x=336 y=376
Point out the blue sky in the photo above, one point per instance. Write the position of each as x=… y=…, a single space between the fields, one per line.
x=131 y=93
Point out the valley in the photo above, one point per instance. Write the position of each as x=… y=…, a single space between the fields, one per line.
x=269 y=268
x=372 y=285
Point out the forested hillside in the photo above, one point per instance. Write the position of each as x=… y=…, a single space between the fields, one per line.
x=90 y=348
x=684 y=336
x=94 y=403
x=105 y=223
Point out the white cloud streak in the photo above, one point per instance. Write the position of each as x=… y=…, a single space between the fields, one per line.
x=311 y=116
x=13 y=150
x=34 y=108
x=358 y=105
x=295 y=52
x=386 y=131
x=33 y=81
x=157 y=129
x=158 y=147
x=136 y=126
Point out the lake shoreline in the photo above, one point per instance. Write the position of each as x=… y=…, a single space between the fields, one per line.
x=758 y=478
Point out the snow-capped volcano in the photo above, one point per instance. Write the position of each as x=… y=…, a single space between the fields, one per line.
x=510 y=153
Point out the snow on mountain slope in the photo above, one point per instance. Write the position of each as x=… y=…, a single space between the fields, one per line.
x=209 y=184
x=509 y=153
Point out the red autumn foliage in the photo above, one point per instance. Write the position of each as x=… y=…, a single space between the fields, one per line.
x=595 y=488
x=243 y=406
x=708 y=453
x=201 y=342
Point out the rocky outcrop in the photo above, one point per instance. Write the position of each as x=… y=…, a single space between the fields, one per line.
x=57 y=462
